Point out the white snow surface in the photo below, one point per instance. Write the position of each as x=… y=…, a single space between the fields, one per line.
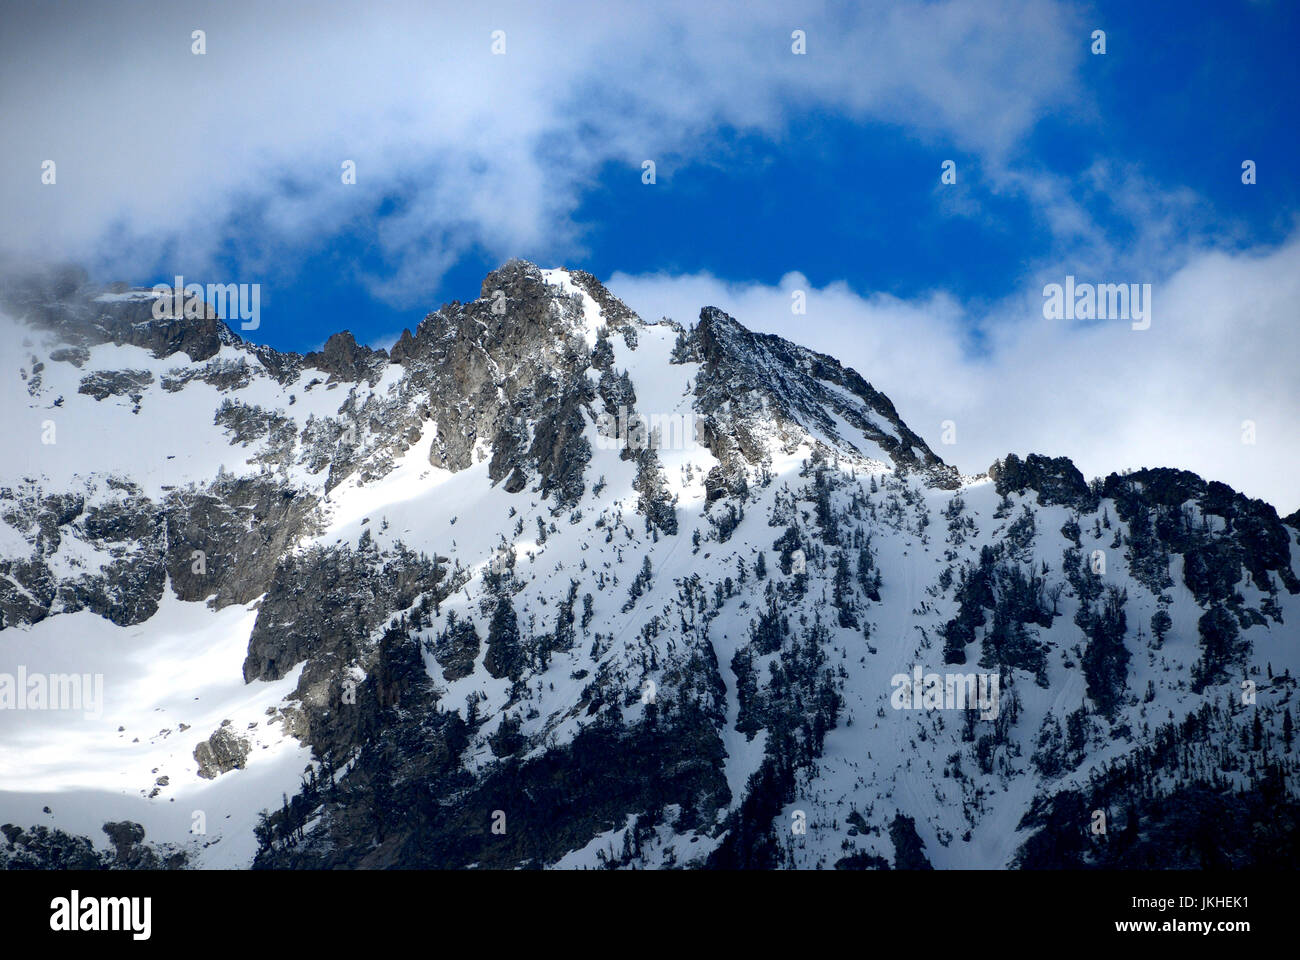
x=183 y=666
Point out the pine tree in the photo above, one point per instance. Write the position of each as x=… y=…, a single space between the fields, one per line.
x=869 y=580
x=654 y=502
x=1105 y=659
x=1221 y=645
x=1160 y=624
x=564 y=636
x=505 y=655
x=842 y=596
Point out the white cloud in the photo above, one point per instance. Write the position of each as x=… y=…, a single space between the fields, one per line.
x=157 y=149
x=1221 y=350
x=156 y=146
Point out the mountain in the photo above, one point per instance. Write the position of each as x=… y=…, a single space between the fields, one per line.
x=551 y=585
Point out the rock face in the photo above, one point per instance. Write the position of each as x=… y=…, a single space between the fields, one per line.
x=751 y=384
x=220 y=753
x=1055 y=479
x=115 y=382
x=551 y=585
x=61 y=300
x=223 y=541
x=507 y=373
x=343 y=359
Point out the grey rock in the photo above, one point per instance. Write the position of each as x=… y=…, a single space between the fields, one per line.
x=220 y=753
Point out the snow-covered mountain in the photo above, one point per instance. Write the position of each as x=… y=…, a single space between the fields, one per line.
x=551 y=585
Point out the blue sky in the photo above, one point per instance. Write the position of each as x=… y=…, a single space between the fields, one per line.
x=773 y=170
x=1184 y=98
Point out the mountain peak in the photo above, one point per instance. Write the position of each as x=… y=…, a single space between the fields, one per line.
x=814 y=391
x=543 y=547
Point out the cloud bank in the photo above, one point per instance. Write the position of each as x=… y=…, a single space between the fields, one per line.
x=1220 y=351
x=232 y=159
x=164 y=155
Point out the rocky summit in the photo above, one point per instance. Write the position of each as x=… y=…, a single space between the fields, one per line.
x=551 y=585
